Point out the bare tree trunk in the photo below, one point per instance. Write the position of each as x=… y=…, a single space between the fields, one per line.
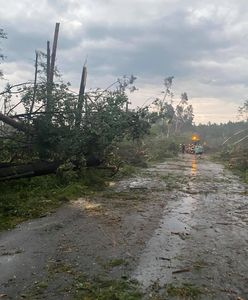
x=168 y=131
x=176 y=127
x=51 y=69
x=53 y=58
x=17 y=125
x=35 y=82
x=127 y=106
x=48 y=62
x=48 y=104
x=81 y=97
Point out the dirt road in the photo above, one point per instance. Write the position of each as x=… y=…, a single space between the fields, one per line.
x=179 y=228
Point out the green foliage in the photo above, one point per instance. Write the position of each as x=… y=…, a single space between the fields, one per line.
x=138 y=123
x=215 y=134
x=236 y=159
x=127 y=170
x=30 y=198
x=152 y=148
x=55 y=136
x=131 y=153
x=159 y=149
x=243 y=110
x=172 y=118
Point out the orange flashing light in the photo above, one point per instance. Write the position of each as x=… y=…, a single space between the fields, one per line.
x=195 y=138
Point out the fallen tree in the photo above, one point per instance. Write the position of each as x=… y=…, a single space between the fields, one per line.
x=37 y=168
x=60 y=126
x=15 y=124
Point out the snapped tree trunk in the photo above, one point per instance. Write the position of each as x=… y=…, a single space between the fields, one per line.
x=37 y=168
x=51 y=70
x=81 y=97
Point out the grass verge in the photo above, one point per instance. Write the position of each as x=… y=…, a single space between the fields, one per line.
x=185 y=291
x=101 y=289
x=34 y=197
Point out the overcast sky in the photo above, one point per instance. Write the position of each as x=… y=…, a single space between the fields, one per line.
x=203 y=44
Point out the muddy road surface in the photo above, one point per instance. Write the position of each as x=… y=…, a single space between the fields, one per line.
x=178 y=229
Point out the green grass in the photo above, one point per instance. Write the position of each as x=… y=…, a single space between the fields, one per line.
x=100 y=289
x=160 y=149
x=239 y=167
x=28 y=198
x=127 y=170
x=185 y=291
x=82 y=287
x=115 y=262
x=112 y=263
x=243 y=174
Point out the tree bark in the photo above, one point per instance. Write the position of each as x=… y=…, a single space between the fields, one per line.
x=35 y=82
x=37 y=168
x=81 y=97
x=17 y=125
x=53 y=58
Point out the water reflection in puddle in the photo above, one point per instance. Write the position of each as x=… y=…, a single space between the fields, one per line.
x=6 y=259
x=193 y=166
x=159 y=257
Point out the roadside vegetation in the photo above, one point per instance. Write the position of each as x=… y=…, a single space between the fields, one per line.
x=228 y=144
x=27 y=198
x=57 y=145
x=236 y=159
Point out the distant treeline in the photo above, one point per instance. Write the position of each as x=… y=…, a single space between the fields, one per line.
x=215 y=134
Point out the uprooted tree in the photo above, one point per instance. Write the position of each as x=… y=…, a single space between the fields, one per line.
x=45 y=125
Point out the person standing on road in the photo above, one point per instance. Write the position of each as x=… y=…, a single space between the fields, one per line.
x=183 y=148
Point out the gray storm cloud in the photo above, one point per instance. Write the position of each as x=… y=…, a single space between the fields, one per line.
x=202 y=43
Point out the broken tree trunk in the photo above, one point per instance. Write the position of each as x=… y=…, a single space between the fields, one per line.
x=28 y=170
x=81 y=97
x=51 y=69
x=48 y=86
x=35 y=82
x=53 y=57
x=48 y=61
x=17 y=125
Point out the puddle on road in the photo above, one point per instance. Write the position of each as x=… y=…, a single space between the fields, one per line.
x=193 y=167
x=158 y=260
x=9 y=257
x=139 y=183
x=6 y=259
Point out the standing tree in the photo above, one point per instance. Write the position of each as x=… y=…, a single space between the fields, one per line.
x=173 y=117
x=184 y=113
x=165 y=107
x=243 y=110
